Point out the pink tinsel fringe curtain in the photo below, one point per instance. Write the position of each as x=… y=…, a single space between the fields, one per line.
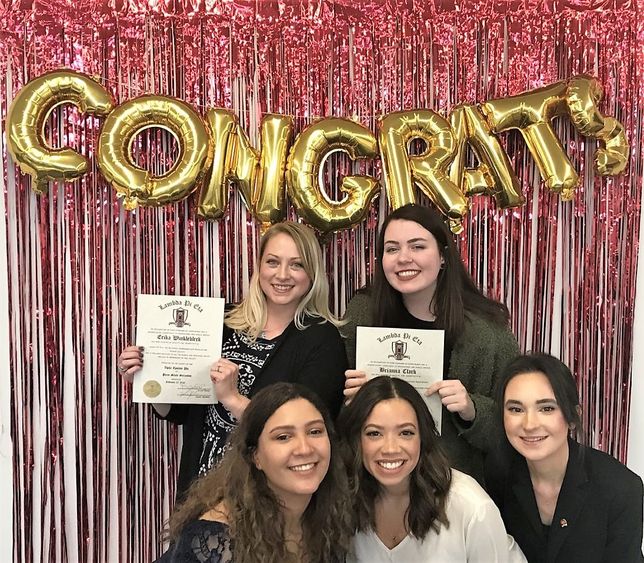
x=93 y=474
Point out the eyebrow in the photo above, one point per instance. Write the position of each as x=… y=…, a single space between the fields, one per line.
x=378 y=427
x=291 y=427
x=276 y=256
x=538 y=402
x=411 y=240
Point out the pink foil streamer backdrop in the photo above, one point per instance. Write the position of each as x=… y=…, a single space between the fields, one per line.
x=94 y=475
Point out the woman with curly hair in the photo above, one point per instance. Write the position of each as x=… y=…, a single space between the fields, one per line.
x=279 y=494
x=282 y=331
x=410 y=506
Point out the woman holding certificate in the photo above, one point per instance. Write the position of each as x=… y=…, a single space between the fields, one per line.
x=410 y=506
x=420 y=282
x=279 y=495
x=562 y=501
x=282 y=331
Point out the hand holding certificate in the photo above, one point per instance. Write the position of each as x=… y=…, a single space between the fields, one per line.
x=182 y=338
x=414 y=355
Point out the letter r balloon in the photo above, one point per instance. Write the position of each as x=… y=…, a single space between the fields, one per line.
x=430 y=170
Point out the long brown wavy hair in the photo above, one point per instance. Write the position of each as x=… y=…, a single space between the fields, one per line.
x=255 y=519
x=429 y=481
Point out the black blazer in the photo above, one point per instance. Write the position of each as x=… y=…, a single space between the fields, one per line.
x=314 y=357
x=598 y=517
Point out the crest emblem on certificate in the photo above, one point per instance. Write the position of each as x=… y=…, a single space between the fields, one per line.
x=399 y=350
x=180 y=316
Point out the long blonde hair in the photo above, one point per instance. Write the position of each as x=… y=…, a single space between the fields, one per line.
x=250 y=315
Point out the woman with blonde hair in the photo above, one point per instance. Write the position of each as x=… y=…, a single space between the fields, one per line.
x=279 y=495
x=282 y=331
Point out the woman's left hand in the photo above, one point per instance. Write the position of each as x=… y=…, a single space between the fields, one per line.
x=455 y=397
x=224 y=375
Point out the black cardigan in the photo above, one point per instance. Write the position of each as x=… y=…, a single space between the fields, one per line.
x=598 y=517
x=314 y=357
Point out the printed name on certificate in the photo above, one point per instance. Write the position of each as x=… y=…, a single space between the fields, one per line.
x=415 y=355
x=181 y=336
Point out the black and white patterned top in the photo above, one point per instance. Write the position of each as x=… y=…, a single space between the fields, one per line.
x=250 y=357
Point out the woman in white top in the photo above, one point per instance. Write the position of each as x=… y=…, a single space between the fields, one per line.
x=409 y=505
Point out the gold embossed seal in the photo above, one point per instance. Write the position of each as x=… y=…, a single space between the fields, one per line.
x=152 y=388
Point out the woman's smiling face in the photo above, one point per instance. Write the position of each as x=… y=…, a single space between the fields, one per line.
x=533 y=420
x=411 y=259
x=294 y=450
x=390 y=443
x=282 y=277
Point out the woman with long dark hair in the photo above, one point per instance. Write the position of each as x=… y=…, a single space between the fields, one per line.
x=420 y=282
x=279 y=494
x=410 y=506
x=562 y=501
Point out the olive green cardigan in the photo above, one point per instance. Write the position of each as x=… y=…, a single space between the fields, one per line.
x=478 y=356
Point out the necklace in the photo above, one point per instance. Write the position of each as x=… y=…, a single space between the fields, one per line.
x=396 y=537
x=268 y=333
x=399 y=536
x=295 y=547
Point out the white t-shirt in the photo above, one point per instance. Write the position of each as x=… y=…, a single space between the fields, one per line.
x=476 y=534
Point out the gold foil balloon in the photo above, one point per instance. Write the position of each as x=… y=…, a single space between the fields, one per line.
x=613 y=157
x=139 y=186
x=26 y=119
x=428 y=170
x=213 y=199
x=494 y=175
x=258 y=174
x=310 y=149
x=269 y=188
x=531 y=113
x=582 y=95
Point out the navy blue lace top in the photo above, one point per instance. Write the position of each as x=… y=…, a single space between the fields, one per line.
x=202 y=541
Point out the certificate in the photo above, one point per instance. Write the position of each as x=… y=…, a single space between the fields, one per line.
x=415 y=355
x=182 y=338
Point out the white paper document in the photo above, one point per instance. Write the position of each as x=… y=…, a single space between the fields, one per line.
x=415 y=355
x=182 y=339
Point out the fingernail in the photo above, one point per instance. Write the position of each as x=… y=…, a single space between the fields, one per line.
x=141 y=348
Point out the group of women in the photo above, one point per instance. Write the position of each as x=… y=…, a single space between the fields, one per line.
x=283 y=488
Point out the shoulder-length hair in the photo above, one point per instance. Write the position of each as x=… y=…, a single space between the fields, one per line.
x=456 y=293
x=429 y=481
x=250 y=315
x=254 y=514
x=560 y=378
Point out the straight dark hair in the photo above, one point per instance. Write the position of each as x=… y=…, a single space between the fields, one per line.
x=431 y=478
x=456 y=293
x=561 y=380
x=255 y=517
